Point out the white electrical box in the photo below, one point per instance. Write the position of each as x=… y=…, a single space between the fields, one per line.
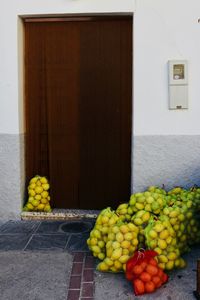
x=178 y=84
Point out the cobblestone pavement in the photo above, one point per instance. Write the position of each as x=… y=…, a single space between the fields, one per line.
x=32 y=238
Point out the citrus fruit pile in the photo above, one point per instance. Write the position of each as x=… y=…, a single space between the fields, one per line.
x=167 y=222
x=121 y=244
x=39 y=199
x=143 y=270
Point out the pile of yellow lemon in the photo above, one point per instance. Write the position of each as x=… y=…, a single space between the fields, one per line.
x=166 y=222
x=161 y=237
x=39 y=199
x=99 y=235
x=121 y=243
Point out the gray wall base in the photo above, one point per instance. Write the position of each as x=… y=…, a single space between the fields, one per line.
x=11 y=175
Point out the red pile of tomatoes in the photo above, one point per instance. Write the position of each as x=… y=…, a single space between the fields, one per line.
x=142 y=269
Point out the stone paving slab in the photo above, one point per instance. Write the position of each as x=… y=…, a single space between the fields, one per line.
x=34 y=275
x=181 y=285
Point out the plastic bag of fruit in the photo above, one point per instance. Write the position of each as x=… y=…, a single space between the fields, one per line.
x=38 y=195
x=142 y=269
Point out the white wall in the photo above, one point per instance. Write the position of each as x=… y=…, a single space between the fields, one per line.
x=10 y=96
x=164 y=30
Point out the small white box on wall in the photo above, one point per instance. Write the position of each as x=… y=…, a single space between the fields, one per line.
x=178 y=84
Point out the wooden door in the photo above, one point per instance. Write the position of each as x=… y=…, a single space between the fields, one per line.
x=78 y=95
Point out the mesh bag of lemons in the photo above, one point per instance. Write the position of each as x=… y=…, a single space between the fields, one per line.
x=166 y=222
x=38 y=195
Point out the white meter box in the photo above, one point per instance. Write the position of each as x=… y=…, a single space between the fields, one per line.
x=178 y=84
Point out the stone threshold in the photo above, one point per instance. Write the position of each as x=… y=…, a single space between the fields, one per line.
x=60 y=214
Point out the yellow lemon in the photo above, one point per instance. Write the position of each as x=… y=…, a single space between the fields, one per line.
x=173 y=214
x=45 y=186
x=147 y=207
x=32 y=186
x=32 y=193
x=169 y=240
x=124 y=258
x=38 y=189
x=124 y=228
x=128 y=236
x=112 y=221
x=162 y=244
x=109 y=244
x=111 y=236
x=125 y=244
x=101 y=256
x=158 y=250
x=35 y=203
x=182 y=263
x=169 y=265
x=97 y=233
x=133 y=228
x=153 y=234
x=161 y=265
x=139 y=206
x=101 y=244
x=30 y=199
x=115 y=229
x=132 y=249
x=137 y=221
x=158 y=227
x=30 y=206
x=43 y=180
x=102 y=267
x=177 y=262
x=123 y=211
x=130 y=211
x=135 y=242
x=146 y=216
x=173 y=221
x=47 y=208
x=116 y=254
x=96 y=249
x=44 y=201
x=48 y=198
x=119 y=237
x=41 y=206
x=105 y=229
x=115 y=245
x=38 y=183
x=172 y=256
x=124 y=267
x=109 y=252
x=164 y=234
x=181 y=217
x=122 y=206
x=104 y=219
x=162 y=259
x=38 y=197
x=33 y=180
x=125 y=251
x=44 y=194
x=118 y=265
x=173 y=242
x=109 y=261
x=153 y=244
x=93 y=241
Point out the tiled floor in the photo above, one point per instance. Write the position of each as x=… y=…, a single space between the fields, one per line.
x=45 y=235
x=81 y=285
x=48 y=236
